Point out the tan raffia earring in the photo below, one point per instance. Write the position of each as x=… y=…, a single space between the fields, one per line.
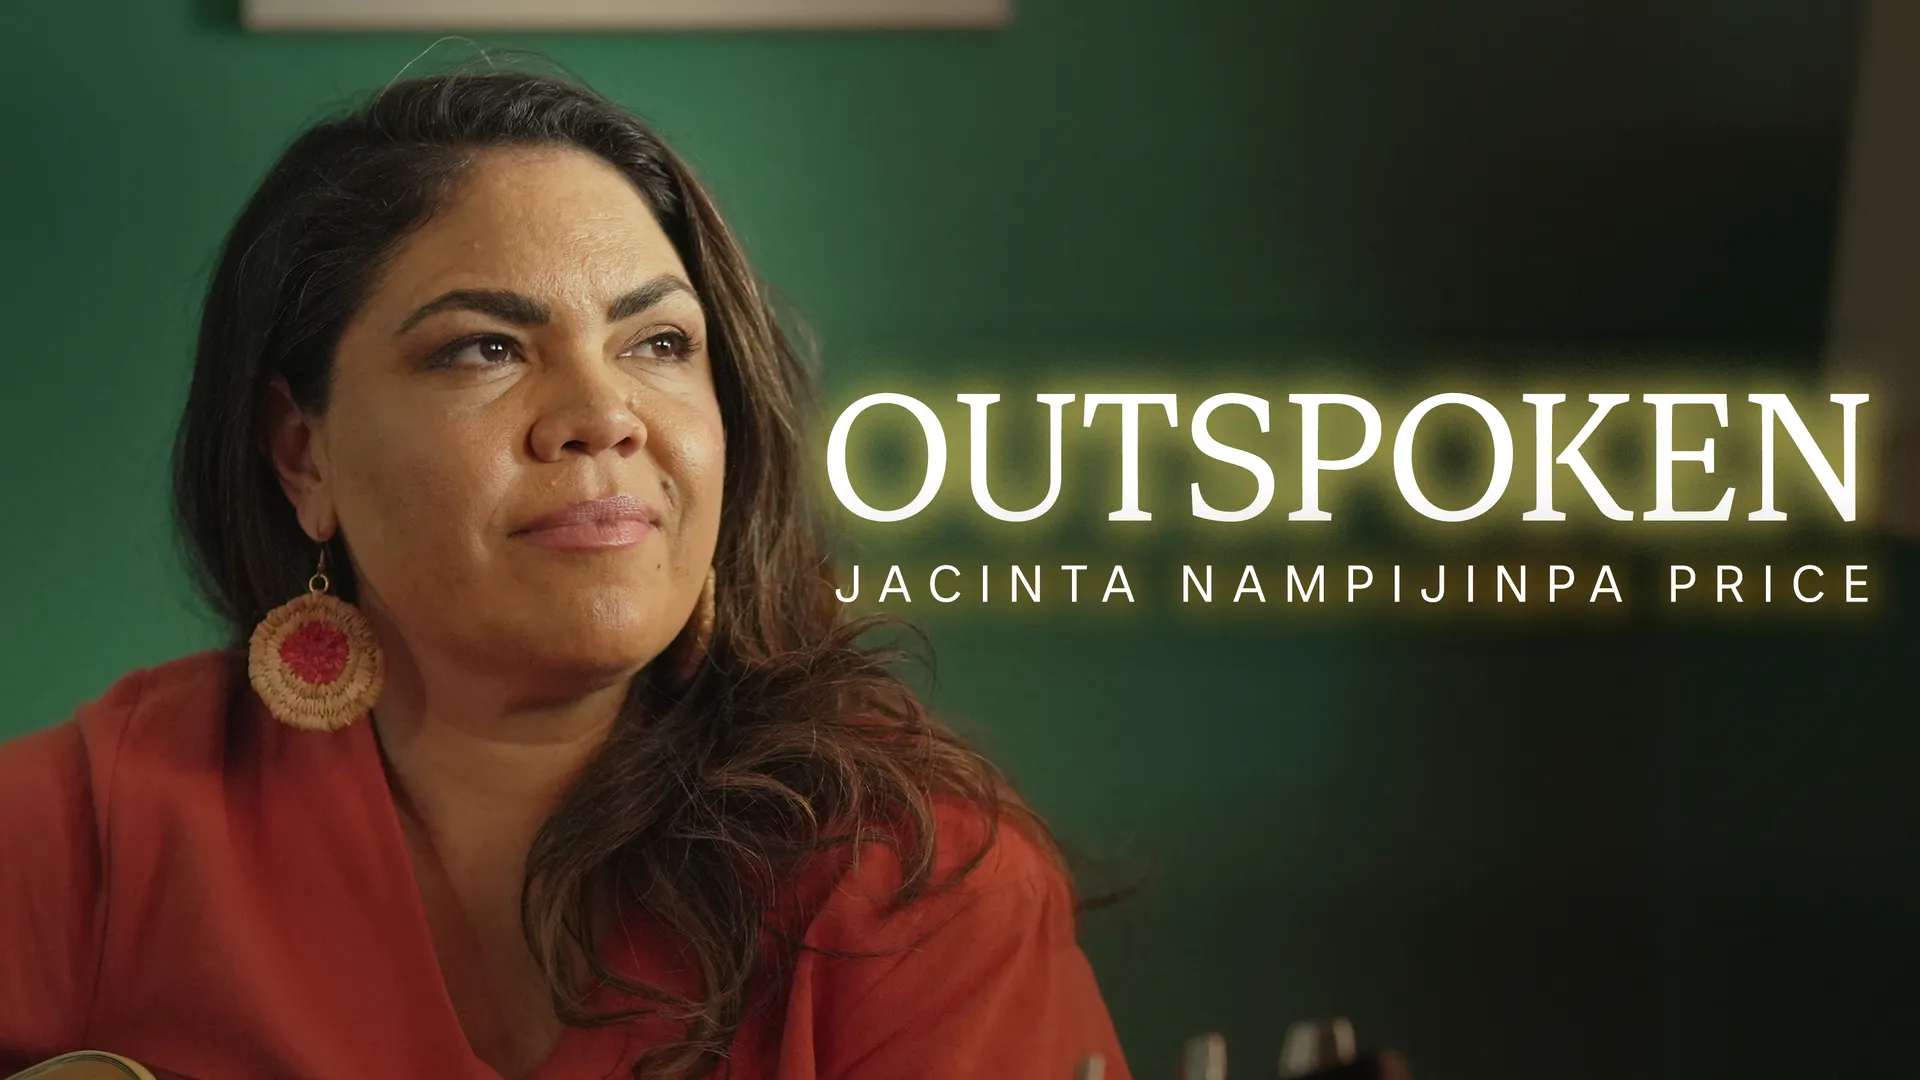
x=314 y=660
x=684 y=657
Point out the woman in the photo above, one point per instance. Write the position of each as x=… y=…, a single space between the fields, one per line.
x=541 y=747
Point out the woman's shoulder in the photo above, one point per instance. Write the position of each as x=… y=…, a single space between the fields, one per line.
x=200 y=678
x=1013 y=852
x=173 y=709
x=981 y=975
x=981 y=858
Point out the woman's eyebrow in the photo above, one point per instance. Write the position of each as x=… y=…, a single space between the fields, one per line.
x=502 y=304
x=644 y=297
x=522 y=310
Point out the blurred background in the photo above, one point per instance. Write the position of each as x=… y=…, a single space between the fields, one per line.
x=1640 y=848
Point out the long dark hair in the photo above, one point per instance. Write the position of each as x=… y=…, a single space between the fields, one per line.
x=796 y=739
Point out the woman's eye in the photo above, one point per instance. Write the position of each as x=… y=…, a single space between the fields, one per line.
x=489 y=349
x=665 y=345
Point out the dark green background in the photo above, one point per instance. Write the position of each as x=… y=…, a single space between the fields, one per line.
x=1655 y=848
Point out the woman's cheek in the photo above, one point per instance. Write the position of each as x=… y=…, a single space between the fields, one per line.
x=712 y=470
x=422 y=494
x=694 y=454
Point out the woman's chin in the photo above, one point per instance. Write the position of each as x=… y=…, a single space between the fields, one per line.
x=598 y=658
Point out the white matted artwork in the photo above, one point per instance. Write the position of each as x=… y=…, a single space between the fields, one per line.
x=621 y=14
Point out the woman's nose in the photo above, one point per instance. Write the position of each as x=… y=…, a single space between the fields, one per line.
x=587 y=412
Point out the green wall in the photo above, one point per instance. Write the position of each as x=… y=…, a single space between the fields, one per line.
x=1575 y=851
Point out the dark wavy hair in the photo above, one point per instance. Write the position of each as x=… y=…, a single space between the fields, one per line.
x=796 y=739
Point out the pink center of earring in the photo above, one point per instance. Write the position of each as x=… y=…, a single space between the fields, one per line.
x=316 y=651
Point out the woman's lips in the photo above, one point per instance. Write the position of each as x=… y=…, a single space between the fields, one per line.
x=597 y=535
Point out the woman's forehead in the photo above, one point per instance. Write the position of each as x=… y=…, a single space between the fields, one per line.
x=559 y=224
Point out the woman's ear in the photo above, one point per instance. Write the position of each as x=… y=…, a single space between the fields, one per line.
x=297 y=458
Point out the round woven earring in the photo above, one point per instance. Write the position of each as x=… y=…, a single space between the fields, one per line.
x=314 y=660
x=688 y=651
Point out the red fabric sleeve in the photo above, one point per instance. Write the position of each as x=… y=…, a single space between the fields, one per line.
x=53 y=798
x=992 y=982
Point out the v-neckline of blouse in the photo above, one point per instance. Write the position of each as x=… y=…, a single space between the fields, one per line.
x=579 y=1053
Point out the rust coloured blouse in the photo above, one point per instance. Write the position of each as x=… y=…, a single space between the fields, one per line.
x=189 y=883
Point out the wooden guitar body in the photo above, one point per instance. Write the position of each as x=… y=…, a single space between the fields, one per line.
x=85 y=1065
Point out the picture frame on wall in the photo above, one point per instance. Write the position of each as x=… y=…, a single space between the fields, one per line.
x=278 y=15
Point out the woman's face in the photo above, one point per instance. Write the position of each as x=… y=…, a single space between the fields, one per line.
x=535 y=344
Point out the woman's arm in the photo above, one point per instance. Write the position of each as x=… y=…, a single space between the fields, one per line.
x=49 y=879
x=52 y=799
